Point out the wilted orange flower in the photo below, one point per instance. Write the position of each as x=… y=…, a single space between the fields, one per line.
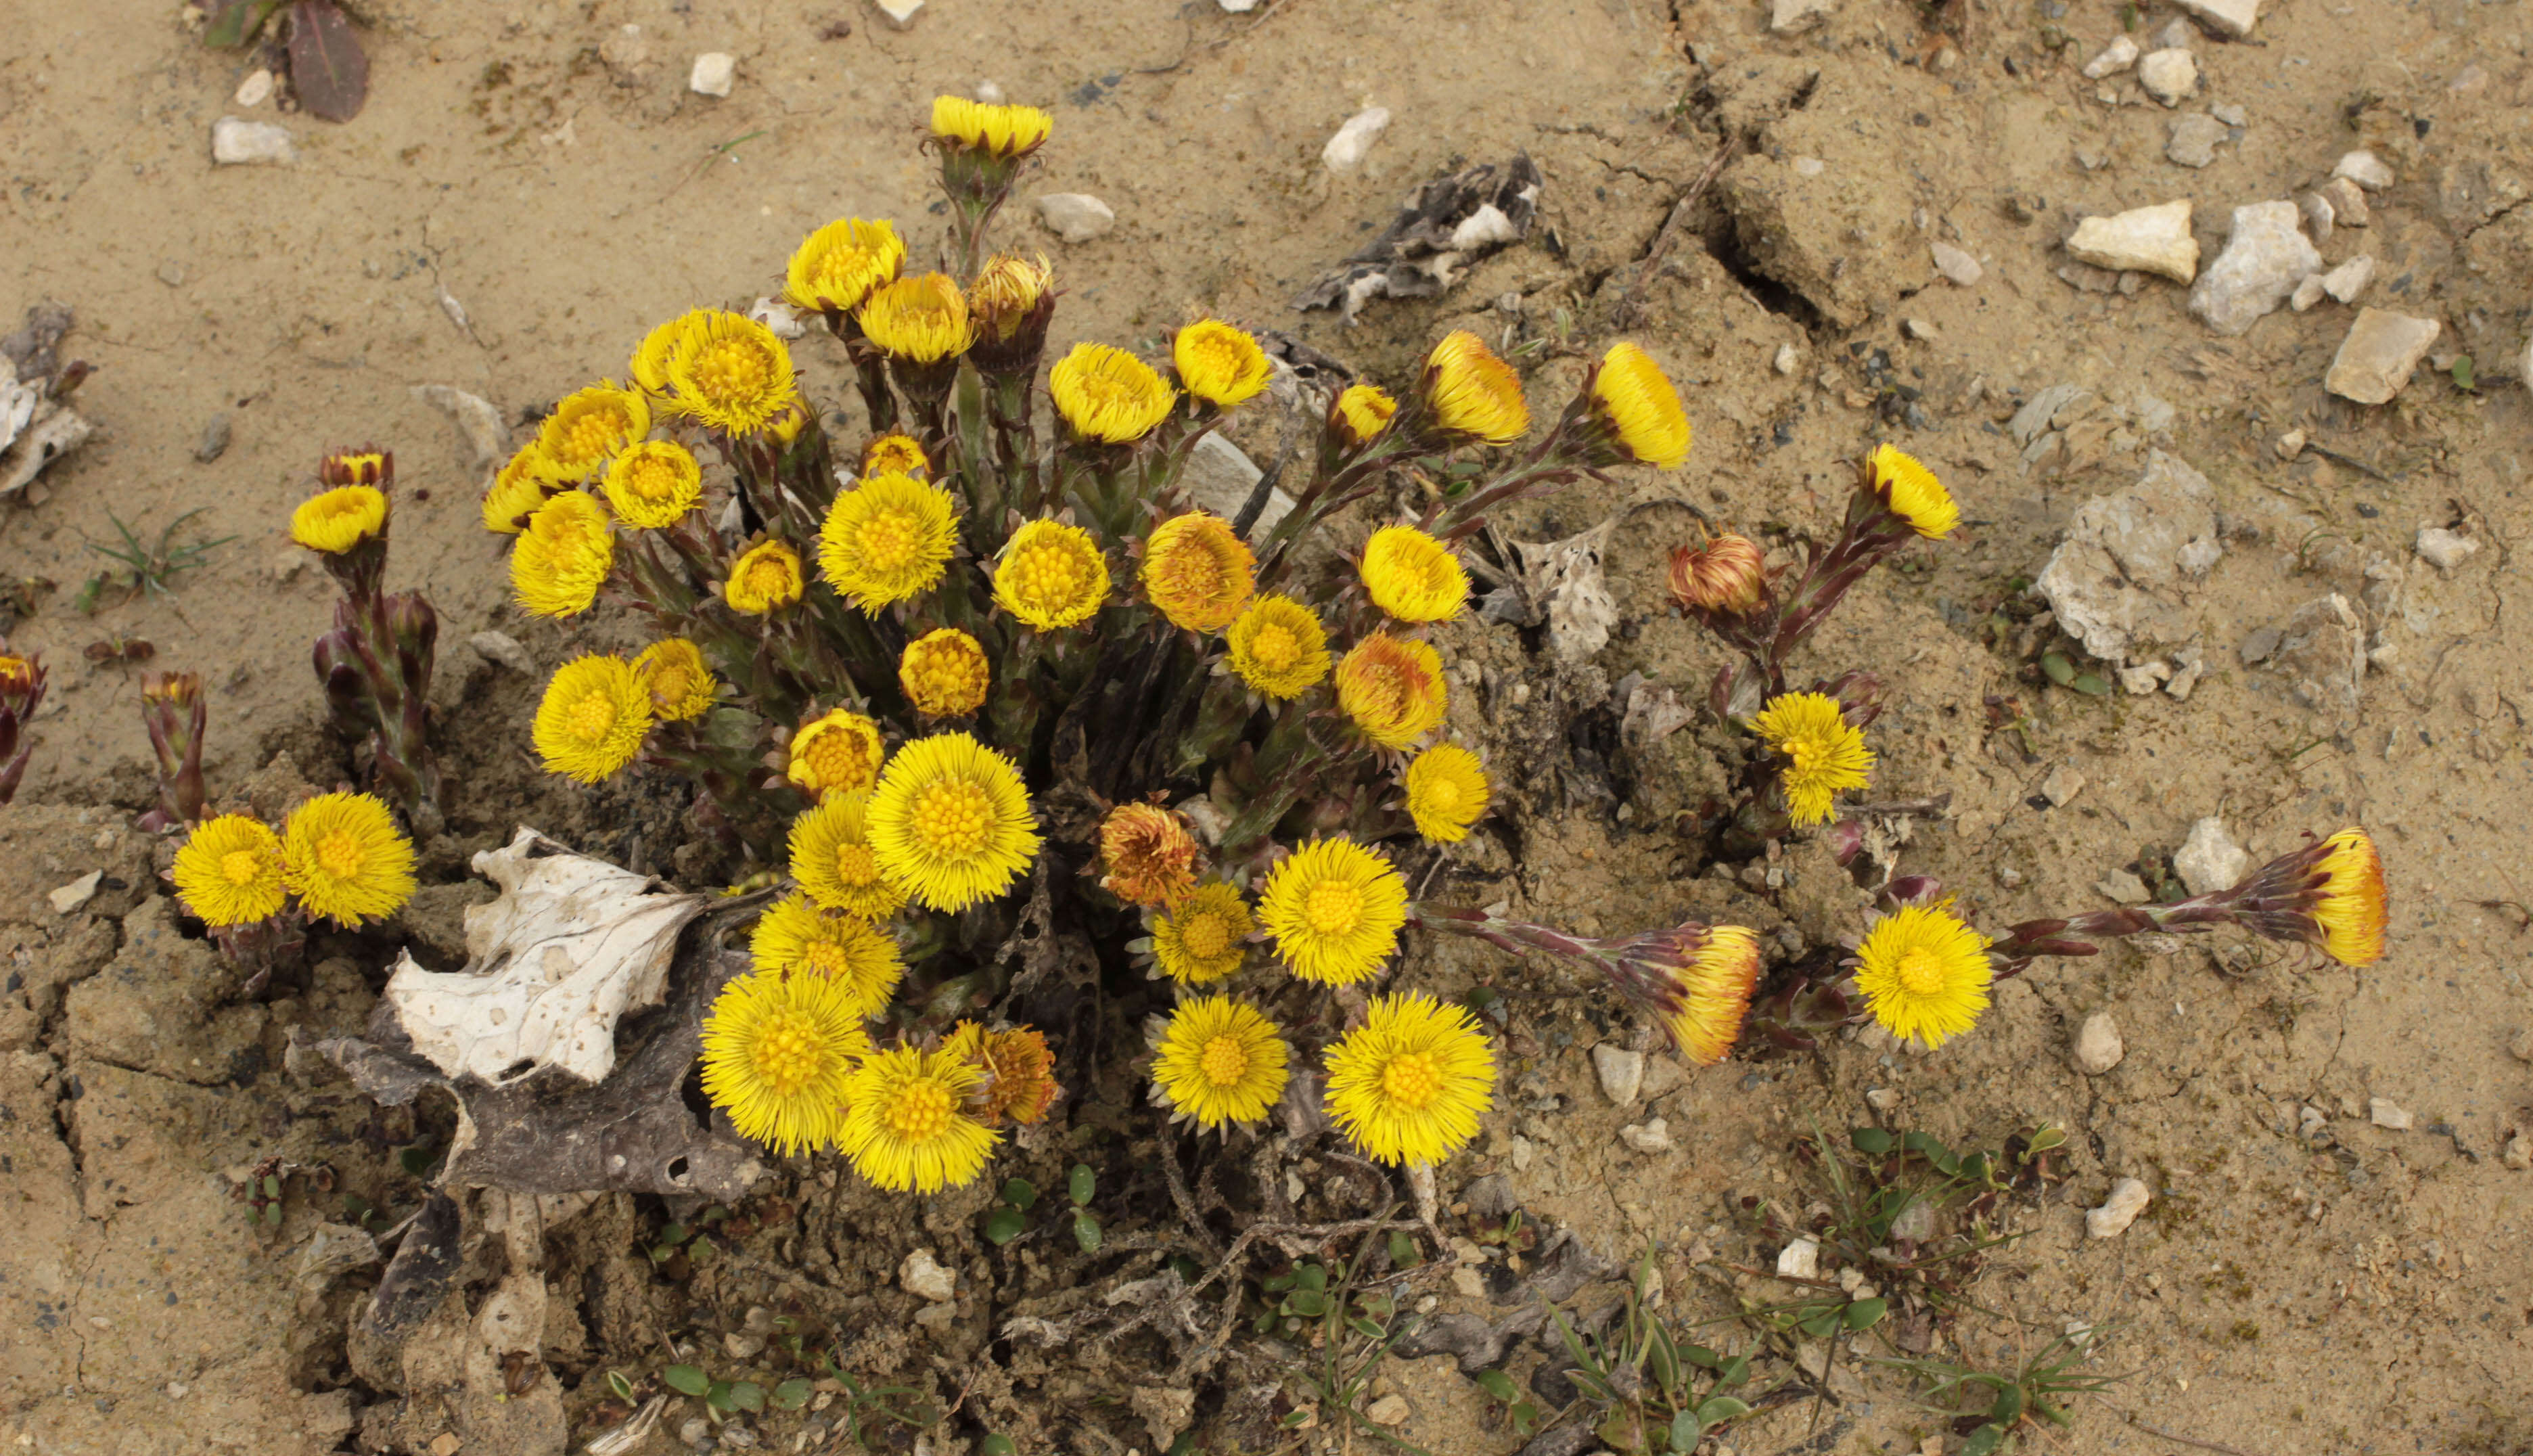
x=1148 y=854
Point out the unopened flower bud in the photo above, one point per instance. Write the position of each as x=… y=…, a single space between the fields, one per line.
x=1726 y=574
x=367 y=466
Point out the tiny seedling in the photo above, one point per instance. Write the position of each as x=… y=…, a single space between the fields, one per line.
x=1642 y=1387
x=142 y=569
x=1010 y=1216
x=1081 y=1186
x=2039 y=1392
x=1345 y=1331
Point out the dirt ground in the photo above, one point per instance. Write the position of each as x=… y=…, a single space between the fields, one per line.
x=2305 y=1279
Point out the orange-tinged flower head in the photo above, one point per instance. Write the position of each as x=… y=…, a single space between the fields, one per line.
x=1198 y=573
x=1392 y=689
x=835 y=752
x=1472 y=394
x=1726 y=574
x=1148 y=855
x=1019 y=1068
x=896 y=454
x=944 y=674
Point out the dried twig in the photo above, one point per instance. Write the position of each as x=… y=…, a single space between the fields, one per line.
x=1633 y=304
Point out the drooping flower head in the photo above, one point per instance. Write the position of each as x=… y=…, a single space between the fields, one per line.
x=343 y=857
x=1392 y=689
x=1012 y=300
x=229 y=871
x=732 y=374
x=951 y=822
x=895 y=453
x=1108 y=395
x=340 y=519
x=654 y=484
x=835 y=752
x=793 y=937
x=1409 y=1085
x=1696 y=980
x=1447 y=793
x=1205 y=936
x=1148 y=855
x=1220 y=363
x=1726 y=574
x=2331 y=894
x=1362 y=413
x=562 y=557
x=832 y=858
x=836 y=267
x=1052 y=575
x=1472 y=394
x=527 y=481
x=1220 y=1061
x=922 y=319
x=1197 y=572
x=906 y=1124
x=1006 y=132
x=765 y=578
x=593 y=718
x=1334 y=910
x=1925 y=973
x=1412 y=576
x=1824 y=752
x=887 y=540
x=681 y=688
x=588 y=426
x=944 y=673
x=1637 y=410
x=1912 y=492
x=1019 y=1072
x=779 y=1054
x=1279 y=647
x=650 y=366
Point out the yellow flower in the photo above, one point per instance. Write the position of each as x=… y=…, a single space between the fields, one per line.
x=1412 y=576
x=951 y=822
x=836 y=753
x=340 y=519
x=1392 y=689
x=778 y=1053
x=887 y=538
x=1221 y=1062
x=1108 y=395
x=1711 y=994
x=944 y=674
x=650 y=367
x=1409 y=1085
x=894 y=454
x=793 y=937
x=1726 y=574
x=904 y=1127
x=1473 y=393
x=1003 y=130
x=837 y=266
x=229 y=872
x=732 y=374
x=1636 y=404
x=369 y=466
x=525 y=483
x=1052 y=575
x=1019 y=1071
x=833 y=859
x=1912 y=492
x=1007 y=293
x=681 y=688
x=1334 y=910
x=1824 y=752
x=922 y=319
x=1925 y=975
x=1205 y=936
x=1362 y=413
x=1220 y=363
x=1279 y=647
x=654 y=484
x=1447 y=793
x=590 y=424
x=562 y=557
x=765 y=577
x=343 y=857
x=1148 y=854
x=2353 y=906
x=1197 y=572
x=596 y=712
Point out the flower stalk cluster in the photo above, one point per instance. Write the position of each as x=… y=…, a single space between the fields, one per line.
x=174 y=712
x=376 y=662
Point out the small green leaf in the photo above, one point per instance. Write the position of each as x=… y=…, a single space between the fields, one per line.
x=1735 y=1371
x=1309 y=1304
x=2462 y=371
x=1086 y=1232
x=272 y=1214
x=2009 y=1405
x=1003 y=1225
x=1368 y=1329
x=716 y=1213
x=1720 y=1409
x=1402 y=1251
x=2045 y=1138
x=622 y=1388
x=676 y=1233
x=1984 y=1441
x=1498 y=1386
x=791 y=1394
x=747 y=1395
x=1082 y=1184
x=1022 y=1195
x=719 y=1397
x=997 y=1445
x=1374 y=1304
x=2091 y=685
x=1866 y=1313
x=1924 y=1144
x=686 y=1380
x=1523 y=1415
x=1820 y=1325
x=1686 y=1431
x=271 y=1186
x=1277 y=1283
x=1700 y=1355
x=1312 y=1276
x=1871 y=1142
x=1946 y=1164
x=1264 y=1321
x=2057 y=668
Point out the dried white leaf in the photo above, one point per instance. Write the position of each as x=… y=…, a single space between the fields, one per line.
x=1566 y=575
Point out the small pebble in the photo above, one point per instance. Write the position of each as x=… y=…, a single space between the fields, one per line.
x=2114 y=58
x=2308 y=292
x=2193 y=140
x=2522 y=1048
x=899 y=13
x=503 y=651
x=2366 y=169
x=714 y=72
x=256 y=90
x=1787 y=361
x=2230 y=114
x=2062 y=785
x=1956 y=263
x=1799 y=1259
x=2519 y=1152
x=2176 y=34
x=2349 y=279
x=2375 y=360
x=2319 y=217
x=2098 y=1047
x=2289 y=445
x=1076 y=217
x=214 y=441
x=242 y=144
x=1652 y=1136
x=2128 y=1198
x=924 y=1278
x=1346 y=150
x=2210 y=860
x=2348 y=204
x=2385 y=1113
x=1919 y=330
x=2168 y=75
x=989 y=93
x=2123 y=887
x=1621 y=1073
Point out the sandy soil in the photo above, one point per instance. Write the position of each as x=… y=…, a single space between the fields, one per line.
x=2301 y=1282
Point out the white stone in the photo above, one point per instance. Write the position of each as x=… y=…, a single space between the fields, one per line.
x=2210 y=860
x=2265 y=257
x=2444 y=550
x=2098 y=1047
x=2348 y=204
x=2062 y=784
x=2129 y=557
x=1621 y=1073
x=989 y=93
x=2193 y=140
x=924 y=1277
x=2518 y=1156
x=1651 y=1137
x=1238 y=7
x=2319 y=217
x=1794 y=17
x=1918 y=329
x=256 y=90
x=77 y=893
x=2168 y=75
x=243 y=144
x=2147 y=240
x=2122 y=887
x=2288 y=445
x=2308 y=292
x=2375 y=359
x=2185 y=676
x=1788 y=360
x=2349 y=279
x=1076 y=217
x=2231 y=19
x=2230 y=113
x=479 y=424
x=2128 y=1200
x=2114 y=58
x=2366 y=169
x=1956 y=263
x=2383 y=1112
x=2176 y=34
x=1346 y=150
x=503 y=649
x=1389 y=1409
x=2145 y=678
x=1799 y=1259
x=899 y=13
x=713 y=73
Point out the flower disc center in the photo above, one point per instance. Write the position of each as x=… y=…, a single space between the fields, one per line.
x=953 y=819
x=341 y=854
x=1334 y=908
x=1412 y=1081
x=241 y=866
x=1226 y=1061
x=1922 y=973
x=919 y=1111
x=786 y=1053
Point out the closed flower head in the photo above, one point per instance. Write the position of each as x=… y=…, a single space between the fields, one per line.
x=343 y=857
x=1639 y=410
x=229 y=871
x=1824 y=753
x=1392 y=689
x=2352 y=906
x=1409 y=1085
x=1472 y=394
x=922 y=319
x=367 y=466
x=1148 y=854
x=887 y=540
x=340 y=519
x=654 y=484
x=1019 y=1073
x=1362 y=413
x=593 y=718
x=591 y=424
x=765 y=578
x=1279 y=647
x=1006 y=295
x=1711 y=971
x=650 y=367
x=1447 y=793
x=1726 y=574
x=1108 y=395
x=1220 y=363
x=681 y=688
x=944 y=674
x=793 y=937
x=1205 y=936
x=1196 y=572
x=837 y=752
x=1334 y=910
x=951 y=822
x=1925 y=975
x=907 y=1128
x=1412 y=576
x=1912 y=492
x=1220 y=1061
x=837 y=266
x=999 y=130
x=895 y=453
x=778 y=1053
x=562 y=557
x=526 y=482
x=833 y=862
x=1052 y=575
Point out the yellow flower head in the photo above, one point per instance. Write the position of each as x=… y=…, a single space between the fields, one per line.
x=229 y=872
x=2354 y=906
x=590 y=424
x=522 y=484
x=732 y=374
x=944 y=674
x=894 y=454
x=951 y=822
x=1362 y=413
x=1001 y=131
x=833 y=859
x=1412 y=576
x=1912 y=492
x=1108 y=395
x=654 y=484
x=19 y=675
x=1472 y=393
x=1447 y=793
x=1006 y=293
x=650 y=367
x=922 y=319
x=1727 y=574
x=681 y=688
x=887 y=540
x=1334 y=910
x=1205 y=936
x=343 y=857
x=1220 y=363
x=1392 y=689
x=837 y=266
x=1711 y=993
x=837 y=752
x=904 y=1124
x=369 y=466
x=1220 y=1061
x=793 y=937
x=1279 y=647
x=1197 y=572
x=1148 y=853
x=1052 y=575
x=1925 y=975
x=779 y=1054
x=1637 y=405
x=596 y=712
x=1824 y=752
x=765 y=577
x=1019 y=1072
x=340 y=519
x=562 y=557
x=1409 y=1085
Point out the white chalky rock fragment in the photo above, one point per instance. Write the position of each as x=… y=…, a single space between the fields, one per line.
x=1956 y=263
x=1623 y=1073
x=1346 y=150
x=899 y=13
x=2129 y=1197
x=1076 y=217
x=256 y=90
x=713 y=73
x=1652 y=1137
x=2349 y=279
x=2210 y=860
x=2098 y=1047
x=1801 y=1259
x=2168 y=75
x=243 y=144
x=2446 y=549
x=2231 y=19
x=2117 y=57
x=924 y=1277
x=2375 y=359
x=2366 y=169
x=2147 y=240
x=2385 y=1113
